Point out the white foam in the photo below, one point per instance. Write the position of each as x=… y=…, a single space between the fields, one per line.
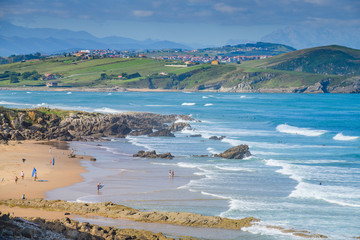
x=188 y=104
x=205 y=97
x=136 y=142
x=11 y=103
x=208 y=104
x=235 y=169
x=69 y=93
x=107 y=110
x=284 y=128
x=152 y=105
x=344 y=196
x=286 y=169
x=211 y=150
x=215 y=195
x=341 y=137
x=28 y=92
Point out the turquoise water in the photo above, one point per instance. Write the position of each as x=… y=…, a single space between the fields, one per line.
x=298 y=141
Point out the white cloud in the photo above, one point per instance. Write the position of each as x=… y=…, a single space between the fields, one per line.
x=222 y=7
x=142 y=13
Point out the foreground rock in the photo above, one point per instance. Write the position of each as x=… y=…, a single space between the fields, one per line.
x=237 y=152
x=42 y=229
x=153 y=154
x=108 y=209
x=49 y=124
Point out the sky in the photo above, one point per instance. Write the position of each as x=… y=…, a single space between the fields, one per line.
x=207 y=22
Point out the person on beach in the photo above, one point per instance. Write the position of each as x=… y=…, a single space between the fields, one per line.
x=22 y=175
x=35 y=176
x=23 y=196
x=23 y=160
x=50 y=150
x=16 y=179
x=98 y=187
x=172 y=173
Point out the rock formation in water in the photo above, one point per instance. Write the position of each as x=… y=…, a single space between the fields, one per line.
x=153 y=154
x=237 y=152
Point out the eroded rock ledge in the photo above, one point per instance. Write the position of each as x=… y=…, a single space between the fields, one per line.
x=66 y=228
x=111 y=210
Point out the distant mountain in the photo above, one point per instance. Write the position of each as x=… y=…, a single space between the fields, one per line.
x=327 y=60
x=20 y=40
x=302 y=37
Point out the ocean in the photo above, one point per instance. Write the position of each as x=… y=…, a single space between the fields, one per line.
x=304 y=172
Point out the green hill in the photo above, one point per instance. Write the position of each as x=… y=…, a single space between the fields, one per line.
x=315 y=70
x=328 y=60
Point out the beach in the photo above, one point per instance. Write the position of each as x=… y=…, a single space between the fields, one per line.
x=65 y=171
x=296 y=141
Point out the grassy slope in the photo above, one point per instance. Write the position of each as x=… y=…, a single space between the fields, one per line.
x=330 y=60
x=87 y=73
x=259 y=73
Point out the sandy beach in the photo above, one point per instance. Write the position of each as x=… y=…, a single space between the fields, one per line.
x=66 y=171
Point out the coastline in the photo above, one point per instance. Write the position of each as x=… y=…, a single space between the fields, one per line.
x=65 y=172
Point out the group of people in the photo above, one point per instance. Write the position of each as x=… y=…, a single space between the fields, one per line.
x=171 y=173
x=23 y=175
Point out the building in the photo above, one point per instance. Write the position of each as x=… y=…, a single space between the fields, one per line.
x=214 y=62
x=51 y=84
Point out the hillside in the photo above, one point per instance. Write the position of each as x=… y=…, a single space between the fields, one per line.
x=108 y=72
x=328 y=60
x=318 y=70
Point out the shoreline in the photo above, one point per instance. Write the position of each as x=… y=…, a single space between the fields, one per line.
x=66 y=170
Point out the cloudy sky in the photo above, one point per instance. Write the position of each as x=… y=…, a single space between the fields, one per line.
x=208 y=22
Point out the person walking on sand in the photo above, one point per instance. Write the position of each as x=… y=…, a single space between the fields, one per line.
x=22 y=175
x=35 y=176
x=16 y=179
x=23 y=196
x=172 y=174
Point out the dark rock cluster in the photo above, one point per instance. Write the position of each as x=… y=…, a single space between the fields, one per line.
x=40 y=125
x=153 y=154
x=237 y=152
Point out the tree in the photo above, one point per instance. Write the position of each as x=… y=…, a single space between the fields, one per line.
x=14 y=79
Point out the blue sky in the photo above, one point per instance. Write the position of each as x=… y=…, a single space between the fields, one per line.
x=207 y=22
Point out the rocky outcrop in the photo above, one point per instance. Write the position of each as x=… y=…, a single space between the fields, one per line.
x=217 y=138
x=66 y=228
x=153 y=154
x=237 y=152
x=176 y=127
x=43 y=124
x=162 y=133
x=108 y=209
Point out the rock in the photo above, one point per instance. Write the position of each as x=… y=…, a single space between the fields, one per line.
x=162 y=133
x=142 y=132
x=93 y=159
x=217 y=138
x=176 y=127
x=71 y=155
x=195 y=135
x=237 y=152
x=152 y=154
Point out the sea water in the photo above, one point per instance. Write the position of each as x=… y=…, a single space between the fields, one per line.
x=304 y=172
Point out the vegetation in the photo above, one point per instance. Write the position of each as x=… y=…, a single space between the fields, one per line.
x=19 y=58
x=330 y=65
